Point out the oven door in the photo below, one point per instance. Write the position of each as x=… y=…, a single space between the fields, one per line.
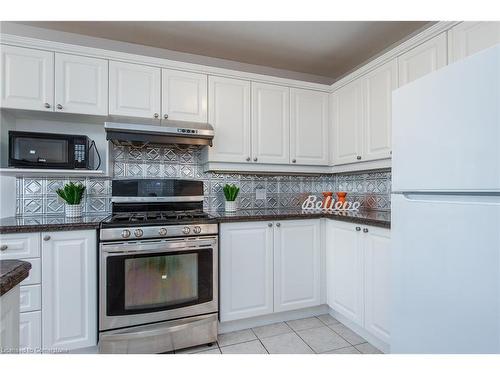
x=157 y=280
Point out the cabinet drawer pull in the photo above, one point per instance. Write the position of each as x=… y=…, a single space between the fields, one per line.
x=278 y=225
x=46 y=105
x=254 y=159
x=59 y=106
x=358 y=229
x=365 y=230
x=156 y=115
x=358 y=157
x=270 y=225
x=4 y=247
x=294 y=160
x=165 y=116
x=248 y=159
x=46 y=238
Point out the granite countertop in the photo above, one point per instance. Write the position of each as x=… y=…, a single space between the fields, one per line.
x=49 y=223
x=363 y=217
x=12 y=272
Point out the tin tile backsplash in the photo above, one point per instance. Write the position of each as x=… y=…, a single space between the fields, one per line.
x=37 y=196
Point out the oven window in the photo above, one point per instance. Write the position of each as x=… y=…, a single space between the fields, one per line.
x=41 y=150
x=155 y=282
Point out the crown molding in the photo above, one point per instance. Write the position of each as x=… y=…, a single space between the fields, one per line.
x=58 y=47
x=398 y=50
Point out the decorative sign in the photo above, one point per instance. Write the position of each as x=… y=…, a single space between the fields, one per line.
x=312 y=203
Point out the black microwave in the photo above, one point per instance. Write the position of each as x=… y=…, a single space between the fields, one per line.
x=47 y=150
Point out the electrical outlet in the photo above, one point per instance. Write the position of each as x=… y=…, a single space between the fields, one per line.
x=260 y=193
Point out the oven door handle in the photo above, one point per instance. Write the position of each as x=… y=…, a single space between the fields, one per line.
x=158 y=247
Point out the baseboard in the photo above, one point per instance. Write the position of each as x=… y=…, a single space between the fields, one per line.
x=263 y=320
x=376 y=342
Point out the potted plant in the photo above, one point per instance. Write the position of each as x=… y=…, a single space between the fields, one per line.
x=231 y=192
x=72 y=195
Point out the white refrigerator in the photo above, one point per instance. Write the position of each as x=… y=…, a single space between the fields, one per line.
x=446 y=210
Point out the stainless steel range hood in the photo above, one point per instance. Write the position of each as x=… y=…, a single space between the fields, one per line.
x=140 y=132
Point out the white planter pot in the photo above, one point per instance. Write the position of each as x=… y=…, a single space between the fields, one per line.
x=73 y=210
x=230 y=206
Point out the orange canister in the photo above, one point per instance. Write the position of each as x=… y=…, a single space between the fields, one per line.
x=341 y=196
x=327 y=199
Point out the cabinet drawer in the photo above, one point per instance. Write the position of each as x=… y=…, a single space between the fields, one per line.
x=35 y=272
x=19 y=245
x=30 y=332
x=30 y=298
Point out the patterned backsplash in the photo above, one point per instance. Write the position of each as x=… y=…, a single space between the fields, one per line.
x=37 y=196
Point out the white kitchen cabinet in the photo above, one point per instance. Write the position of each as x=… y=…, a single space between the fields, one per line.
x=27 y=78
x=358 y=274
x=308 y=127
x=270 y=123
x=246 y=270
x=30 y=298
x=377 y=283
x=184 y=96
x=297 y=279
x=19 y=245
x=377 y=89
x=347 y=124
x=30 y=332
x=81 y=85
x=468 y=38
x=134 y=90
x=344 y=269
x=9 y=321
x=229 y=114
x=69 y=289
x=423 y=59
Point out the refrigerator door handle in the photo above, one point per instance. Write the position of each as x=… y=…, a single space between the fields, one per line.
x=450 y=197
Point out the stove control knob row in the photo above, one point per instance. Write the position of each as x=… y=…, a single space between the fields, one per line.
x=125 y=233
x=162 y=232
x=138 y=232
x=197 y=230
x=186 y=230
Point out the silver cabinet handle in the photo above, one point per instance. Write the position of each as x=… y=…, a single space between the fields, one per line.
x=3 y=247
x=270 y=225
x=358 y=229
x=365 y=230
x=390 y=152
x=46 y=105
x=278 y=225
x=46 y=238
x=358 y=157
x=294 y=160
x=248 y=159
x=156 y=115
x=165 y=116
x=254 y=159
x=59 y=106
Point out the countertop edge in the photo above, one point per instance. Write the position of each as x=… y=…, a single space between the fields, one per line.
x=18 y=270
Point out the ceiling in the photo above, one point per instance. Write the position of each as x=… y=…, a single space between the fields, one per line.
x=328 y=48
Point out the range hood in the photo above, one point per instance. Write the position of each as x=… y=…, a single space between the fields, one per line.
x=139 y=132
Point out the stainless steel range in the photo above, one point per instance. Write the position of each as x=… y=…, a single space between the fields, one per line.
x=158 y=277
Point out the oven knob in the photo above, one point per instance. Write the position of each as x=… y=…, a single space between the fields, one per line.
x=162 y=232
x=138 y=232
x=197 y=230
x=125 y=233
x=186 y=230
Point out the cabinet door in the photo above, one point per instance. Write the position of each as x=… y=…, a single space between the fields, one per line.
x=377 y=111
x=309 y=127
x=27 y=78
x=423 y=59
x=468 y=38
x=270 y=123
x=81 y=85
x=377 y=253
x=69 y=289
x=297 y=268
x=346 y=124
x=184 y=96
x=246 y=270
x=134 y=90
x=229 y=114
x=30 y=332
x=344 y=269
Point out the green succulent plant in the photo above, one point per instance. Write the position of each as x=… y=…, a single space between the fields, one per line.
x=71 y=193
x=231 y=192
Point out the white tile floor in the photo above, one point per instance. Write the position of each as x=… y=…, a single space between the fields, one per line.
x=322 y=334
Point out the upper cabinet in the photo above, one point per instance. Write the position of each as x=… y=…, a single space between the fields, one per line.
x=229 y=114
x=27 y=78
x=134 y=90
x=423 y=59
x=270 y=123
x=81 y=85
x=184 y=96
x=468 y=38
x=308 y=127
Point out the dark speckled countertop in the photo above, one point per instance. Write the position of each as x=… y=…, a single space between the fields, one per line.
x=44 y=223
x=12 y=272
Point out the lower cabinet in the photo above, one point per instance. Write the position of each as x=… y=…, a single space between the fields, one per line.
x=358 y=275
x=269 y=267
x=30 y=332
x=69 y=290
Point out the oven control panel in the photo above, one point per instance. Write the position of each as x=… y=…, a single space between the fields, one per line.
x=166 y=231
